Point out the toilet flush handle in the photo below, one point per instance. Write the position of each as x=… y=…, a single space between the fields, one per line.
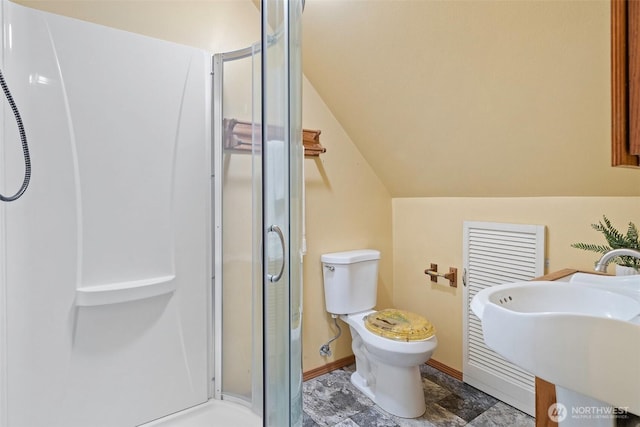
x=329 y=267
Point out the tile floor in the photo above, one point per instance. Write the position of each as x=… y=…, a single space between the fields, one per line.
x=331 y=400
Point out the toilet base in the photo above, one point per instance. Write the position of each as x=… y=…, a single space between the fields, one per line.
x=398 y=390
x=360 y=383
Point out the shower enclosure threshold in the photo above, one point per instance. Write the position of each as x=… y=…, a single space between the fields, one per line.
x=214 y=413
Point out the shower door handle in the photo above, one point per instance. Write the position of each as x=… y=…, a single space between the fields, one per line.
x=275 y=229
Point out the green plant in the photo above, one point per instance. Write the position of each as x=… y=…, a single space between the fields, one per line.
x=616 y=240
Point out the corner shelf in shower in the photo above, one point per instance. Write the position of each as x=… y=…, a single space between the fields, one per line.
x=118 y=292
x=237 y=137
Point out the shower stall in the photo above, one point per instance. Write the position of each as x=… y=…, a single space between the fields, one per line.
x=150 y=275
x=259 y=151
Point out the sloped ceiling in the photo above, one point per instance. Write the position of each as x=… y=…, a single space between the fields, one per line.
x=445 y=98
x=471 y=98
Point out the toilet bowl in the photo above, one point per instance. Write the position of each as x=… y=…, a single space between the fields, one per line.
x=387 y=370
x=389 y=345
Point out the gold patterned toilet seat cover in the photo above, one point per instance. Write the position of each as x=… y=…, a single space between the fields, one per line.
x=399 y=325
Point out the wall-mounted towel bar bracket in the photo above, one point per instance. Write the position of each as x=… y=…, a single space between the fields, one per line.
x=451 y=276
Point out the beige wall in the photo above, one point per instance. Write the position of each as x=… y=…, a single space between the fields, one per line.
x=429 y=230
x=213 y=25
x=347 y=208
x=471 y=98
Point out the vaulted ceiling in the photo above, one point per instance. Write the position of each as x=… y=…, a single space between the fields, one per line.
x=471 y=98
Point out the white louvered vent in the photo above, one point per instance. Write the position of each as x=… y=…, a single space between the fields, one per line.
x=494 y=254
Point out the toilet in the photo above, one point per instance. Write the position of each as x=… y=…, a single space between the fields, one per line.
x=389 y=345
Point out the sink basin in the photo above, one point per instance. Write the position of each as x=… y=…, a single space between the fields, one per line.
x=557 y=297
x=625 y=285
x=582 y=335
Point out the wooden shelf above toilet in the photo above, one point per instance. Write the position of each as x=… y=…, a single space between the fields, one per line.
x=238 y=137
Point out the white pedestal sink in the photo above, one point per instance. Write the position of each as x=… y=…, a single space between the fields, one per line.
x=582 y=335
x=577 y=410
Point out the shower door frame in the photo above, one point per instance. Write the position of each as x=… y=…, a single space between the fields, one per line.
x=282 y=125
x=215 y=344
x=288 y=10
x=217 y=188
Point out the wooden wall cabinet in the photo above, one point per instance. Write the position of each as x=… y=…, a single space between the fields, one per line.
x=625 y=83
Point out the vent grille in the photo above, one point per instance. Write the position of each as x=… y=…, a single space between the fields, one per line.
x=496 y=254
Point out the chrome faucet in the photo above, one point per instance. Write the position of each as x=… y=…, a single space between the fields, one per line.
x=601 y=266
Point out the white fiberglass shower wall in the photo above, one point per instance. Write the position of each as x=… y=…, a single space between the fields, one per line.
x=104 y=259
x=106 y=262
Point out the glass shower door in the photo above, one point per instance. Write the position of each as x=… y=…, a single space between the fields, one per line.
x=238 y=328
x=258 y=157
x=282 y=189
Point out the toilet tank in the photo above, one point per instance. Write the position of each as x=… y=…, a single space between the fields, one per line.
x=350 y=280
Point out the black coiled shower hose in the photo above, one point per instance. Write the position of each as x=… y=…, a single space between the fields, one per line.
x=23 y=140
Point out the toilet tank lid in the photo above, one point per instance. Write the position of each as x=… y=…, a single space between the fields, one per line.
x=349 y=257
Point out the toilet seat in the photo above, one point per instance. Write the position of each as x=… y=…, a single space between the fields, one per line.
x=399 y=325
x=387 y=349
